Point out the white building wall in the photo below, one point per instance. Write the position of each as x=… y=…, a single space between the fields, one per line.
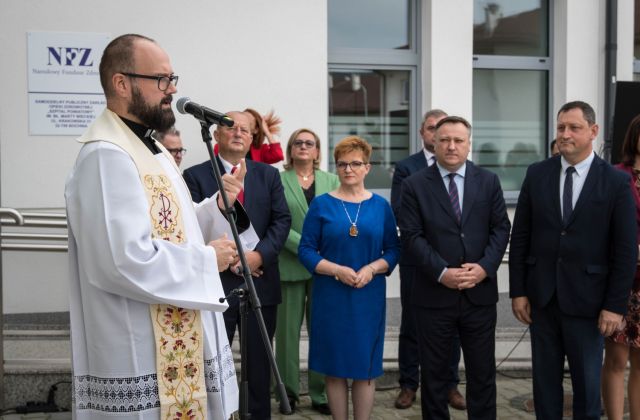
x=447 y=49
x=624 y=63
x=229 y=55
x=578 y=53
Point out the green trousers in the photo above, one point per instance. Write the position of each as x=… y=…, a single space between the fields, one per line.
x=296 y=302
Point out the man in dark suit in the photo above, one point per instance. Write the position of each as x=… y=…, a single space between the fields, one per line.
x=454 y=225
x=572 y=262
x=264 y=202
x=408 y=361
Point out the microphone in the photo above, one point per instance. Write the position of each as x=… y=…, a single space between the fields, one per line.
x=202 y=113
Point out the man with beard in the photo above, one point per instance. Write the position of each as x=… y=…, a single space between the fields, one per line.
x=148 y=338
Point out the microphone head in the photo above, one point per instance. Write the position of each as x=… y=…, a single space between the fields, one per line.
x=182 y=103
x=227 y=121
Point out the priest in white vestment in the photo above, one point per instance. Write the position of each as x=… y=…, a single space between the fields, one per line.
x=145 y=288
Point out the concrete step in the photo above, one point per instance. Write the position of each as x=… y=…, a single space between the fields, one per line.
x=49 y=350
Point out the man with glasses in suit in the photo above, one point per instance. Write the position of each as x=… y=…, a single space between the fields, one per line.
x=171 y=140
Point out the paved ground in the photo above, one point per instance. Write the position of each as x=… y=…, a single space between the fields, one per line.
x=514 y=394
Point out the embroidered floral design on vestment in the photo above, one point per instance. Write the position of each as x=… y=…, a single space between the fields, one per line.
x=164 y=210
x=179 y=358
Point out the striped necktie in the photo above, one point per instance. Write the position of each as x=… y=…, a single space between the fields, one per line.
x=453 y=196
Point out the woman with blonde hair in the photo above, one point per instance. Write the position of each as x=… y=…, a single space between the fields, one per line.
x=302 y=180
x=349 y=243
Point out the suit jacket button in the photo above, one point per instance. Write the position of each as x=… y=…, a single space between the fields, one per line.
x=564 y=232
x=462 y=235
x=559 y=260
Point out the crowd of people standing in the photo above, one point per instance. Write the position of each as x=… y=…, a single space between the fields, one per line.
x=150 y=258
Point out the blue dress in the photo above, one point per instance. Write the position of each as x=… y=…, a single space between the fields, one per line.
x=346 y=338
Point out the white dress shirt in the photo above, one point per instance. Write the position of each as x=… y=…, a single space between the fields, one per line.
x=579 y=176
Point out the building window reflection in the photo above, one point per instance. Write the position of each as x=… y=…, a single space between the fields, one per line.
x=511 y=87
x=517 y=28
x=373 y=68
x=374 y=105
x=372 y=24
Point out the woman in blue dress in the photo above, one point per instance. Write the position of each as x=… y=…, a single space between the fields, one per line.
x=349 y=243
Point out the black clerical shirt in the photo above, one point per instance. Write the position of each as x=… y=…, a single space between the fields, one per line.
x=143 y=133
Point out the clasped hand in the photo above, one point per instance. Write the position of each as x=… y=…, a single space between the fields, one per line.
x=226 y=252
x=465 y=277
x=350 y=277
x=254 y=260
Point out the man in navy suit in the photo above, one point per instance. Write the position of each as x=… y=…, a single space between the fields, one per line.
x=571 y=263
x=454 y=225
x=265 y=204
x=408 y=361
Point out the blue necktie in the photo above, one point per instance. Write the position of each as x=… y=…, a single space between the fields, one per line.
x=453 y=196
x=567 y=195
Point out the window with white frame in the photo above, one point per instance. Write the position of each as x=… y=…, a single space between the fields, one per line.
x=511 y=87
x=373 y=63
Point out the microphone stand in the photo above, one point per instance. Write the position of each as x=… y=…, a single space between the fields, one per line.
x=247 y=296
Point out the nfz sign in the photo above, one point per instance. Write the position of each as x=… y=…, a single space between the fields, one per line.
x=69 y=56
x=64 y=84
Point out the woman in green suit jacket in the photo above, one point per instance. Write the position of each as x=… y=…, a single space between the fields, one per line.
x=302 y=181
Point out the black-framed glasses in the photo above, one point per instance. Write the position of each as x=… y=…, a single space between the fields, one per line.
x=163 y=81
x=354 y=165
x=178 y=151
x=306 y=143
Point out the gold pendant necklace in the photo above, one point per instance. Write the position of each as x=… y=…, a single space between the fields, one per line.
x=305 y=178
x=353 y=229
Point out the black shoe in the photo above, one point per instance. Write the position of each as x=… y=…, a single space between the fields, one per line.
x=322 y=408
x=292 y=404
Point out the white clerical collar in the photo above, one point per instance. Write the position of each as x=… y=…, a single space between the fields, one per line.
x=462 y=171
x=582 y=167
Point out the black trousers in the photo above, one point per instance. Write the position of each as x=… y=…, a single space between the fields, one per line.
x=555 y=335
x=437 y=328
x=408 y=357
x=258 y=367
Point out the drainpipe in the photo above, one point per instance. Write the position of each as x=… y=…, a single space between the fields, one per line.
x=611 y=50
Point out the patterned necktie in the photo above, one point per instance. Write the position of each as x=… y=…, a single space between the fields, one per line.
x=453 y=196
x=567 y=195
x=241 y=193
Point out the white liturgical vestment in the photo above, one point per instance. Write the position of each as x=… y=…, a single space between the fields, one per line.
x=117 y=270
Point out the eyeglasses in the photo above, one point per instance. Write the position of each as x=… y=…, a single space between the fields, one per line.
x=243 y=130
x=163 y=81
x=306 y=143
x=178 y=151
x=354 y=165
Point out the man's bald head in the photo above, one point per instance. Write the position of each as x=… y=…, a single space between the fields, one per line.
x=119 y=57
